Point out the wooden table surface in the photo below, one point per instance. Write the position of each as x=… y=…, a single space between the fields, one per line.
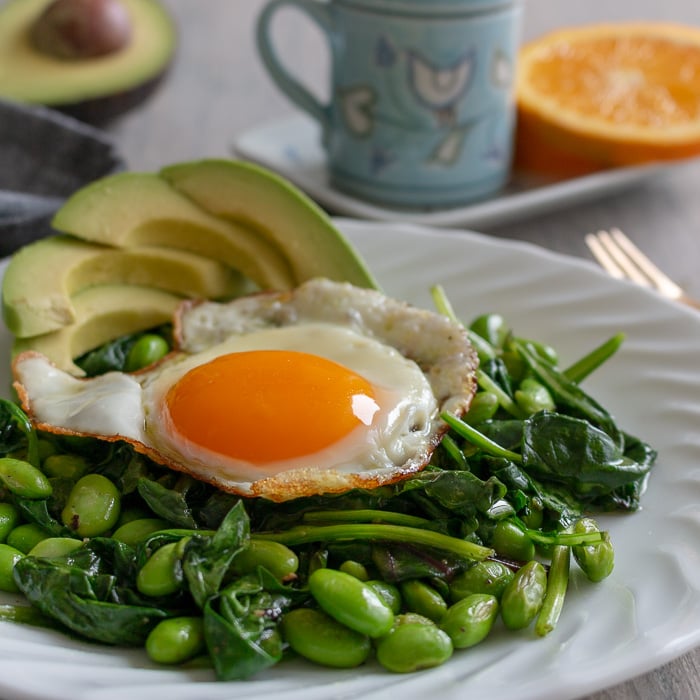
x=217 y=89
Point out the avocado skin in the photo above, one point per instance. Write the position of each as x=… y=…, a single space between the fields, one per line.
x=102 y=111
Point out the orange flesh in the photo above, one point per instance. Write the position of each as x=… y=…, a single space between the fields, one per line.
x=268 y=405
x=635 y=80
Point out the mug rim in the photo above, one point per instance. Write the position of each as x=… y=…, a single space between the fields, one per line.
x=430 y=8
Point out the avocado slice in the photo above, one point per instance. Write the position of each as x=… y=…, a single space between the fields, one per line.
x=102 y=313
x=246 y=194
x=34 y=302
x=136 y=209
x=94 y=89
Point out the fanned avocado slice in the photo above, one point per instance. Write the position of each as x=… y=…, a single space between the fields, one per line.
x=249 y=195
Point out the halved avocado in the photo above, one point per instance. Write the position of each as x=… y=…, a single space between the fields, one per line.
x=103 y=312
x=36 y=302
x=94 y=89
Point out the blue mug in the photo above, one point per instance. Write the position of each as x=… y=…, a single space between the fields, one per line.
x=422 y=107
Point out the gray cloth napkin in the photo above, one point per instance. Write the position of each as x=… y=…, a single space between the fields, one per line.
x=44 y=157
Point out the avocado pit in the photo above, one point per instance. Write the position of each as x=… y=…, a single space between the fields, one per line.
x=82 y=29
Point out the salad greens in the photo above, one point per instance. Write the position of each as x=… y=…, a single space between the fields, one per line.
x=535 y=452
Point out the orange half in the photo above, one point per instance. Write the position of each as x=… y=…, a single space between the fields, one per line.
x=608 y=95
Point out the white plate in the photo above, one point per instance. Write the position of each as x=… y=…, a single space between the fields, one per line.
x=292 y=147
x=646 y=613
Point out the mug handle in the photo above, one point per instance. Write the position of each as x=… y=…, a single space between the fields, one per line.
x=296 y=92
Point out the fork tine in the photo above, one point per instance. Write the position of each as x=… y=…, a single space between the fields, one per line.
x=625 y=263
x=606 y=253
x=660 y=280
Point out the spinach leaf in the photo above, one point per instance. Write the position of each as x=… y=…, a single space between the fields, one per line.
x=573 y=452
x=91 y=591
x=16 y=432
x=240 y=627
x=206 y=559
x=169 y=504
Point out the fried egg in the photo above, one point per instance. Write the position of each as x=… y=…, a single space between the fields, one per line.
x=318 y=390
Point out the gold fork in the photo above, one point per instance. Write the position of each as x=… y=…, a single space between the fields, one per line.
x=622 y=259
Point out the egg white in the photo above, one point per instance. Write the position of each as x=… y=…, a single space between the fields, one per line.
x=418 y=362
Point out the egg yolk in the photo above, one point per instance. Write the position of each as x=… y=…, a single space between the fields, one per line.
x=268 y=405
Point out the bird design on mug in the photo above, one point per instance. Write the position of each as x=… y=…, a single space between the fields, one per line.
x=433 y=89
x=439 y=88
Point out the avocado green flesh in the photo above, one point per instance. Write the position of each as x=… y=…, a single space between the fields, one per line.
x=103 y=312
x=231 y=213
x=249 y=195
x=45 y=304
x=27 y=75
x=136 y=209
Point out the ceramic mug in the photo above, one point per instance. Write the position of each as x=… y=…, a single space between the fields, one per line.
x=422 y=109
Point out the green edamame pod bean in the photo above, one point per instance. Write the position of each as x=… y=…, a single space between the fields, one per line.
x=65 y=466
x=524 y=595
x=134 y=532
x=412 y=645
x=533 y=514
x=319 y=638
x=470 y=620
x=486 y=576
x=354 y=568
x=149 y=348
x=492 y=328
x=92 y=507
x=55 y=547
x=24 y=479
x=176 y=640
x=25 y=537
x=9 y=518
x=389 y=593
x=423 y=599
x=532 y=397
x=161 y=574
x=545 y=352
x=596 y=560
x=512 y=542
x=277 y=558
x=9 y=556
x=483 y=407
x=351 y=602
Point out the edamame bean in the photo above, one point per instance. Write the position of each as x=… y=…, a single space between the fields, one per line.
x=423 y=599
x=531 y=397
x=24 y=479
x=55 y=547
x=46 y=448
x=9 y=518
x=277 y=558
x=9 y=556
x=524 y=595
x=25 y=537
x=134 y=532
x=176 y=640
x=389 y=593
x=354 y=568
x=351 y=602
x=486 y=576
x=161 y=574
x=483 y=407
x=596 y=560
x=149 y=348
x=318 y=637
x=492 y=328
x=470 y=620
x=65 y=466
x=412 y=645
x=512 y=542
x=92 y=507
